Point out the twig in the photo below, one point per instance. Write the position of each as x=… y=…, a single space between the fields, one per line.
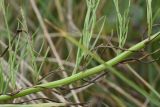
x=17 y=32
x=48 y=99
x=47 y=75
x=93 y=81
x=140 y=59
x=26 y=101
x=123 y=49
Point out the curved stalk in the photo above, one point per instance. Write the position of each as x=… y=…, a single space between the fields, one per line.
x=86 y=73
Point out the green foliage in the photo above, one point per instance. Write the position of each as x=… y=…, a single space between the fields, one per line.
x=129 y=78
x=87 y=32
x=149 y=16
x=122 y=24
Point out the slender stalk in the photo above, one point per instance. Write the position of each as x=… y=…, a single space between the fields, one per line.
x=35 y=105
x=84 y=74
x=149 y=17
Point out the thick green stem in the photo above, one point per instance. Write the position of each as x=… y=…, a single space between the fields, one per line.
x=83 y=74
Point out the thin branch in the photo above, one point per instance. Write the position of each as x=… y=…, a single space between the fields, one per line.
x=14 y=37
x=140 y=59
x=93 y=81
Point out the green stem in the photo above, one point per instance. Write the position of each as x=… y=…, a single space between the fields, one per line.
x=83 y=74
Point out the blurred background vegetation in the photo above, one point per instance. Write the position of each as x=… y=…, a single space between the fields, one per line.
x=69 y=16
